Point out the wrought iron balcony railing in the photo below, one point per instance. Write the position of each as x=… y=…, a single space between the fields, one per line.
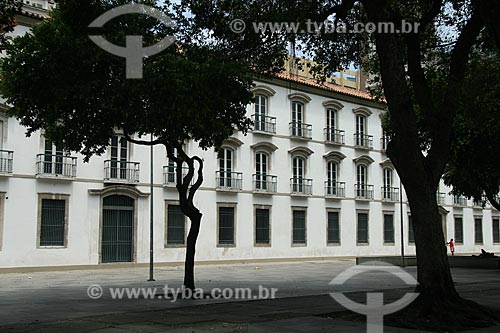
x=363 y=140
x=300 y=130
x=459 y=201
x=6 y=161
x=265 y=183
x=334 y=136
x=170 y=175
x=384 y=141
x=334 y=189
x=390 y=193
x=55 y=166
x=441 y=198
x=264 y=124
x=226 y=180
x=301 y=186
x=363 y=191
x=121 y=171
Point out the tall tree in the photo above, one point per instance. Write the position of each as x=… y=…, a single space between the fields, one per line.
x=441 y=29
x=80 y=94
x=473 y=169
x=8 y=11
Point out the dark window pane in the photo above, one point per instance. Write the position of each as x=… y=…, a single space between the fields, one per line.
x=411 y=237
x=226 y=225
x=299 y=227
x=362 y=228
x=175 y=225
x=496 y=231
x=459 y=231
x=262 y=226
x=52 y=223
x=333 y=228
x=478 y=231
x=388 y=228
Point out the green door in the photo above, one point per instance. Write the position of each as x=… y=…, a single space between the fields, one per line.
x=117 y=229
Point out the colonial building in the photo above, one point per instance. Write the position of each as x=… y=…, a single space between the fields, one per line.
x=311 y=180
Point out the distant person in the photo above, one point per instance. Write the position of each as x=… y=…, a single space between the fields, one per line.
x=452 y=246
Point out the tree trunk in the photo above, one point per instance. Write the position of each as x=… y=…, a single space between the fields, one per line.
x=195 y=218
x=434 y=277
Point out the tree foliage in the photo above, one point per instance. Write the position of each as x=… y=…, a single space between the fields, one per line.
x=8 y=11
x=473 y=169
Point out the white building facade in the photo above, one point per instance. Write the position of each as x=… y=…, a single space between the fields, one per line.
x=311 y=181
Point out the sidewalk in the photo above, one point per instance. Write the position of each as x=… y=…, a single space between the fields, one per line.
x=57 y=302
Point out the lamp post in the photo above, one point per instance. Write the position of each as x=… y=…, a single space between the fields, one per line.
x=401 y=219
x=151 y=224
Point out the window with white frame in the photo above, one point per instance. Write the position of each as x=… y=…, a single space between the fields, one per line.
x=261 y=170
x=387 y=189
x=261 y=105
x=388 y=228
x=226 y=160
x=459 y=230
x=360 y=130
x=332 y=187
x=262 y=226
x=298 y=173
x=119 y=157
x=297 y=118
x=361 y=180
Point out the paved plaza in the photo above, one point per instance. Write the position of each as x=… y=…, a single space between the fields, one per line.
x=58 y=301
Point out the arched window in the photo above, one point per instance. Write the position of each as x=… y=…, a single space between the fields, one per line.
x=387 y=190
x=361 y=180
x=261 y=170
x=260 y=112
x=331 y=177
x=225 y=157
x=297 y=118
x=298 y=172
x=360 y=130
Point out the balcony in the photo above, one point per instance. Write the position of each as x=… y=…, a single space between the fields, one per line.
x=55 y=166
x=266 y=184
x=459 y=201
x=334 y=136
x=334 y=189
x=264 y=124
x=301 y=130
x=363 y=141
x=301 y=186
x=121 y=172
x=228 y=181
x=390 y=194
x=6 y=160
x=479 y=203
x=441 y=198
x=363 y=191
x=384 y=141
x=170 y=176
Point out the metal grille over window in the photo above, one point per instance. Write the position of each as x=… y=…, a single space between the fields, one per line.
x=226 y=225
x=388 y=228
x=459 y=230
x=117 y=228
x=362 y=228
x=175 y=225
x=478 y=231
x=262 y=226
x=52 y=223
x=299 y=227
x=333 y=228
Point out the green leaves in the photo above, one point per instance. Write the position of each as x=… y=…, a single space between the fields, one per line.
x=58 y=80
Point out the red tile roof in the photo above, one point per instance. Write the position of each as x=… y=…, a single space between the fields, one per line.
x=325 y=86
